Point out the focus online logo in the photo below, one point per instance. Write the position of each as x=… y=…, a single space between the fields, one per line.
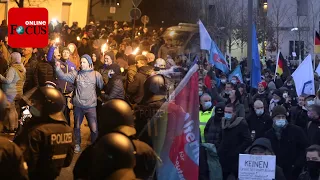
x=28 y=27
x=31 y=27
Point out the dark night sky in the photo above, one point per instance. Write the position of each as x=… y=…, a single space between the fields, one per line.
x=170 y=11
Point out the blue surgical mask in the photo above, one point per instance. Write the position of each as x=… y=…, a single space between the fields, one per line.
x=228 y=116
x=259 y=112
x=207 y=105
x=200 y=93
x=309 y=103
x=233 y=81
x=223 y=81
x=280 y=123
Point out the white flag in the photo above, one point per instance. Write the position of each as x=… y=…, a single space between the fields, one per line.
x=205 y=39
x=318 y=69
x=304 y=78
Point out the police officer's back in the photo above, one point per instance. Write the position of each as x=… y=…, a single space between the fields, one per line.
x=12 y=164
x=46 y=140
x=116 y=117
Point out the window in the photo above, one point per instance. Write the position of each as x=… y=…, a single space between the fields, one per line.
x=294 y=47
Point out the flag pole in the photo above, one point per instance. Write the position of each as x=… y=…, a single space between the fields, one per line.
x=314 y=50
x=275 y=73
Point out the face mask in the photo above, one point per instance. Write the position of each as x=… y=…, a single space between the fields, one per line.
x=233 y=81
x=313 y=168
x=223 y=81
x=280 y=123
x=289 y=84
x=35 y=112
x=200 y=93
x=309 y=103
x=259 y=112
x=227 y=92
x=207 y=105
x=285 y=95
x=248 y=79
x=276 y=100
x=228 y=116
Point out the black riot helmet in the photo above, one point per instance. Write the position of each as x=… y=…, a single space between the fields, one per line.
x=46 y=101
x=155 y=89
x=3 y=104
x=116 y=114
x=112 y=152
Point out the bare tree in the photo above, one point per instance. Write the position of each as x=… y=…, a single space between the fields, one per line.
x=21 y=3
x=226 y=17
x=278 y=14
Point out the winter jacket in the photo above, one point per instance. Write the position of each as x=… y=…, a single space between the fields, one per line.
x=259 y=124
x=305 y=175
x=12 y=83
x=299 y=117
x=65 y=86
x=114 y=89
x=44 y=72
x=264 y=97
x=212 y=131
x=209 y=165
x=136 y=88
x=86 y=83
x=246 y=100
x=30 y=63
x=132 y=71
x=313 y=132
x=235 y=139
x=289 y=149
x=240 y=111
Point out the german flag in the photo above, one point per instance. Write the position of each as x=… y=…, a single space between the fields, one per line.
x=282 y=66
x=317 y=43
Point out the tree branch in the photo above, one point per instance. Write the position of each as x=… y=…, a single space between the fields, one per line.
x=94 y=4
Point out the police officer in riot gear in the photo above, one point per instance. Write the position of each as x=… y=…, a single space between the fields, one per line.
x=12 y=164
x=116 y=117
x=113 y=158
x=46 y=140
x=155 y=93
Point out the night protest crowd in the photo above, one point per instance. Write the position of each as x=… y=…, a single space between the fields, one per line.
x=109 y=74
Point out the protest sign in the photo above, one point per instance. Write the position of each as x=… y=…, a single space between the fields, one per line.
x=257 y=167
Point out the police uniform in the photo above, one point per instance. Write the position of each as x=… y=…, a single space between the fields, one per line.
x=12 y=164
x=47 y=141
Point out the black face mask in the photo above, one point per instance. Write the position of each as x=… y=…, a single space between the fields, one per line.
x=313 y=168
x=219 y=115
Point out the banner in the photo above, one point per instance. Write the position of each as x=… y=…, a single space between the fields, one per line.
x=178 y=140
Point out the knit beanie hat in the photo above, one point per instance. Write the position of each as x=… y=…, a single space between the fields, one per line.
x=263 y=83
x=88 y=58
x=16 y=58
x=279 y=110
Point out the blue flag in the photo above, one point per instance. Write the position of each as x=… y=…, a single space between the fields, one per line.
x=236 y=72
x=255 y=65
x=217 y=58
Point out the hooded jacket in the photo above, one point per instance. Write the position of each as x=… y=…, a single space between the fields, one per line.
x=13 y=82
x=259 y=124
x=86 y=82
x=30 y=63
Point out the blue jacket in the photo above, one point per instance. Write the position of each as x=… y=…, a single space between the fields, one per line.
x=66 y=67
x=85 y=82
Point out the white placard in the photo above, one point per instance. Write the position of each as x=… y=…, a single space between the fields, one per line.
x=257 y=167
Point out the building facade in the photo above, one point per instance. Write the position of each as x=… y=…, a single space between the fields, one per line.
x=61 y=10
x=295 y=21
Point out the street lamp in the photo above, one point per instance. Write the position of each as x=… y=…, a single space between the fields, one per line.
x=295 y=29
x=265 y=6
